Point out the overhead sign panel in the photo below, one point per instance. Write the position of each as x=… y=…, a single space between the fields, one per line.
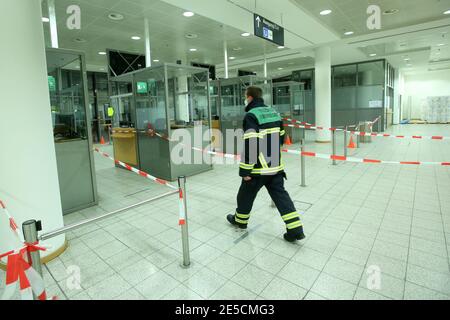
x=268 y=30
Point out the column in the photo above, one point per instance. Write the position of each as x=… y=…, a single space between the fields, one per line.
x=225 y=54
x=53 y=24
x=28 y=172
x=148 y=56
x=323 y=93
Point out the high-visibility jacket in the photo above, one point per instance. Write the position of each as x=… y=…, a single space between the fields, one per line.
x=263 y=139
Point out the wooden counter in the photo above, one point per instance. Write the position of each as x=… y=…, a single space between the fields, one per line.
x=125 y=145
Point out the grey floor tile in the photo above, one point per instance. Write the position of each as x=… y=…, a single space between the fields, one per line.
x=109 y=288
x=227 y=266
x=157 y=286
x=280 y=289
x=182 y=293
x=253 y=278
x=429 y=279
x=333 y=288
x=351 y=254
x=110 y=249
x=181 y=273
x=429 y=247
x=311 y=258
x=232 y=291
x=365 y=294
x=269 y=262
x=313 y=296
x=344 y=270
x=130 y=294
x=205 y=282
x=283 y=248
x=138 y=272
x=390 y=250
x=428 y=261
x=205 y=254
x=299 y=274
x=390 y=266
x=416 y=292
x=123 y=259
x=389 y=286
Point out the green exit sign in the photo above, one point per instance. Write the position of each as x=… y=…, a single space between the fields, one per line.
x=142 y=87
x=51 y=83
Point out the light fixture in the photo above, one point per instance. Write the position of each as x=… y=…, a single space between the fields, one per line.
x=191 y=36
x=447 y=12
x=232 y=58
x=407 y=59
x=391 y=11
x=372 y=54
x=280 y=47
x=115 y=16
x=188 y=14
x=245 y=34
x=79 y=40
x=325 y=12
x=237 y=49
x=349 y=33
x=441 y=44
x=155 y=60
x=136 y=38
x=45 y=19
x=280 y=68
x=102 y=53
x=192 y=50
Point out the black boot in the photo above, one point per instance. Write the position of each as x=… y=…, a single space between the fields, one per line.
x=292 y=236
x=232 y=220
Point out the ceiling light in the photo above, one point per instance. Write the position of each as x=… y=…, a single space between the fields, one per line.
x=245 y=34
x=391 y=11
x=155 y=60
x=102 y=53
x=280 y=47
x=447 y=12
x=232 y=58
x=407 y=59
x=441 y=44
x=237 y=49
x=45 y=19
x=115 y=16
x=136 y=38
x=280 y=68
x=372 y=54
x=192 y=50
x=79 y=40
x=191 y=35
x=349 y=33
x=188 y=14
x=325 y=12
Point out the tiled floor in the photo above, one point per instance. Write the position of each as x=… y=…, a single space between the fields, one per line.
x=362 y=220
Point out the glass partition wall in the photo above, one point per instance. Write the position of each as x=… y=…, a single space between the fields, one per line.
x=71 y=129
x=166 y=99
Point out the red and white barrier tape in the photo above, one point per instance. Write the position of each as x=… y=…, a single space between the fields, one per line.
x=137 y=171
x=182 y=220
x=383 y=135
x=296 y=121
x=359 y=160
x=12 y=223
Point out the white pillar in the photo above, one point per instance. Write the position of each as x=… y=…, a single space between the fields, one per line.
x=323 y=93
x=148 y=55
x=53 y=24
x=265 y=68
x=225 y=54
x=28 y=172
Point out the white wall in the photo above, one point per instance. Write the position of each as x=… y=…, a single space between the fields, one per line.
x=422 y=85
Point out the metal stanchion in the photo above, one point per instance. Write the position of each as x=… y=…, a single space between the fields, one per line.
x=333 y=133
x=379 y=125
x=184 y=227
x=30 y=230
x=303 y=163
x=345 y=141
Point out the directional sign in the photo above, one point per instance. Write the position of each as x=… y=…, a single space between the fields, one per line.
x=268 y=30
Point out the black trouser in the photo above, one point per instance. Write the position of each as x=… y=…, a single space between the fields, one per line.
x=275 y=186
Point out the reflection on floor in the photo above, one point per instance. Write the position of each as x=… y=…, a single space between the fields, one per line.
x=360 y=219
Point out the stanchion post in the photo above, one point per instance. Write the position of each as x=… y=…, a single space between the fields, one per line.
x=345 y=140
x=30 y=230
x=379 y=125
x=333 y=134
x=303 y=163
x=184 y=227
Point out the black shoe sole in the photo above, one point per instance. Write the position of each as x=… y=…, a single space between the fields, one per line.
x=294 y=239
x=230 y=219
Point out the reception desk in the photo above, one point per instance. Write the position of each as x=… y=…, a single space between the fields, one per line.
x=125 y=145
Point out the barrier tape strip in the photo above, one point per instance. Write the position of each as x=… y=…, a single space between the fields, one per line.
x=182 y=220
x=359 y=160
x=364 y=134
x=12 y=223
x=137 y=171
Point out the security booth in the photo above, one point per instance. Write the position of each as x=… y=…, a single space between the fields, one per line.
x=156 y=106
x=67 y=83
x=229 y=98
x=289 y=100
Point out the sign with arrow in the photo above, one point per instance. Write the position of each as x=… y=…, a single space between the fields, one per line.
x=268 y=30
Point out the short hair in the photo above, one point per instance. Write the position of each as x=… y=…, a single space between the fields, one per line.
x=254 y=92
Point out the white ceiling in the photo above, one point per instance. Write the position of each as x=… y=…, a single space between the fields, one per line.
x=413 y=33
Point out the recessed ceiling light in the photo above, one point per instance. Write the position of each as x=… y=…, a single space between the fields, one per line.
x=325 y=12
x=349 y=33
x=447 y=12
x=102 y=53
x=191 y=35
x=407 y=59
x=188 y=14
x=232 y=58
x=115 y=16
x=192 y=49
x=45 y=19
x=391 y=11
x=280 y=47
x=441 y=44
x=237 y=49
x=245 y=34
x=136 y=38
x=280 y=68
x=155 y=60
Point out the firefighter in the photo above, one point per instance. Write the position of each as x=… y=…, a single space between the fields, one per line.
x=262 y=166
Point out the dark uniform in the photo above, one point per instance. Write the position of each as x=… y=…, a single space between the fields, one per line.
x=262 y=160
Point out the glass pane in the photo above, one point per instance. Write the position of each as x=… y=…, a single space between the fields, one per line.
x=344 y=76
x=371 y=73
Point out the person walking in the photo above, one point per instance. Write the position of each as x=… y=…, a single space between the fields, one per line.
x=262 y=166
